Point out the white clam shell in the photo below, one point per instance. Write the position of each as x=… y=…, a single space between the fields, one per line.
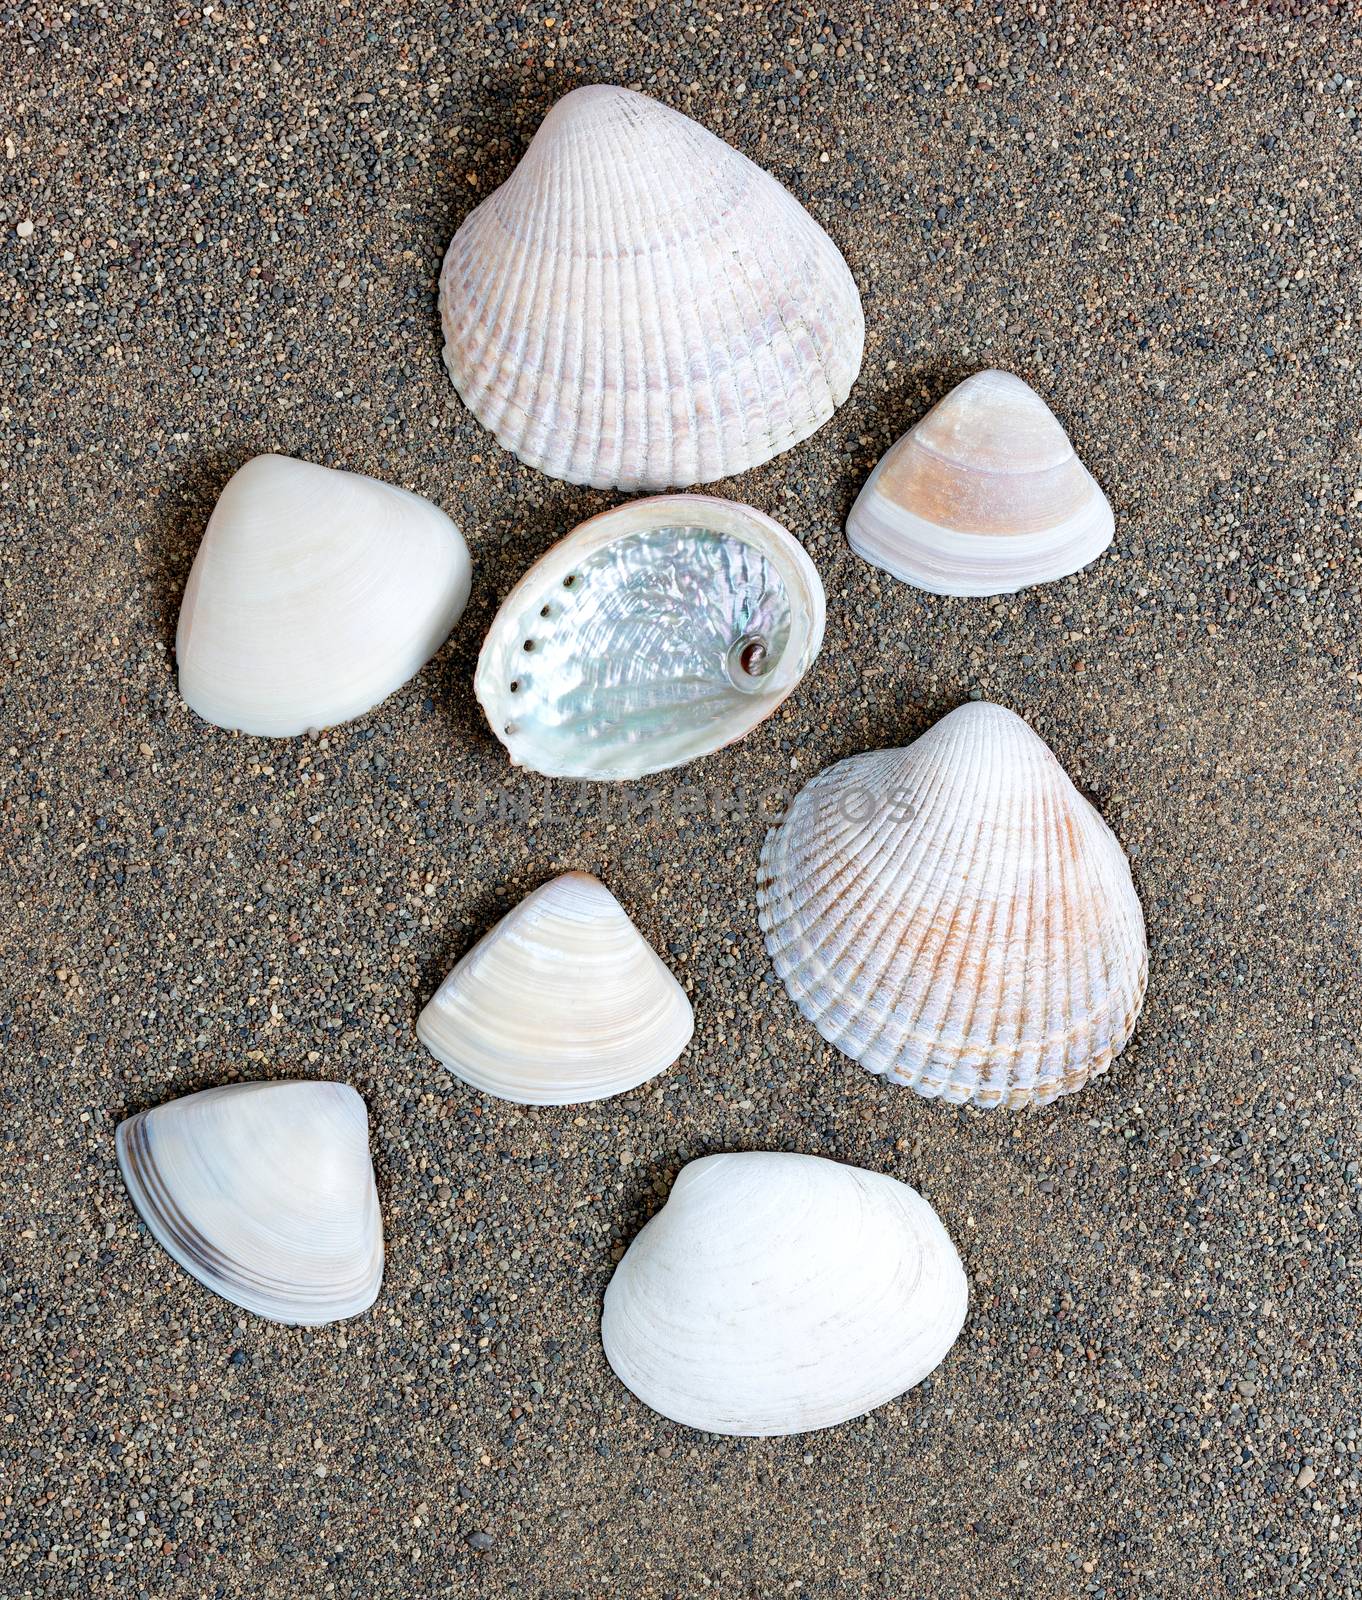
x=265 y=1193
x=778 y=1293
x=653 y=634
x=983 y=496
x=563 y=1001
x=639 y=306
x=957 y=916
x=314 y=594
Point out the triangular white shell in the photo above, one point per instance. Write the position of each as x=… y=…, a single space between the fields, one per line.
x=621 y=650
x=779 y=1293
x=639 y=306
x=314 y=594
x=957 y=916
x=265 y=1193
x=563 y=1001
x=983 y=496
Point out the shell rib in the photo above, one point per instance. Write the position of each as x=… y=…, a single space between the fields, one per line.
x=957 y=916
x=563 y=1001
x=313 y=596
x=652 y=635
x=639 y=306
x=777 y=1293
x=264 y=1192
x=984 y=496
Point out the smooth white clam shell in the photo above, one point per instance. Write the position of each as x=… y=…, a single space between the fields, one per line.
x=957 y=916
x=620 y=652
x=983 y=496
x=563 y=1001
x=314 y=594
x=639 y=306
x=779 y=1293
x=265 y=1193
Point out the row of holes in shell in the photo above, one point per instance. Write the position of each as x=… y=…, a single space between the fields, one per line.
x=544 y=611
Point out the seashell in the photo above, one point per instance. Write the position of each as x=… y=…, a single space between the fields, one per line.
x=563 y=1001
x=653 y=634
x=957 y=916
x=314 y=595
x=640 y=307
x=983 y=496
x=265 y=1193
x=778 y=1293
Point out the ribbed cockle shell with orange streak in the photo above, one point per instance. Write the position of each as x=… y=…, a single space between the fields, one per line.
x=956 y=916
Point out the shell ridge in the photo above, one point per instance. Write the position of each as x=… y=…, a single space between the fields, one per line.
x=510 y=299
x=878 y=932
x=685 y=294
x=572 y=269
x=1122 y=923
x=629 y=362
x=1051 y=1042
x=1101 y=995
x=672 y=385
x=491 y=299
x=737 y=358
x=809 y=811
x=1083 y=1051
x=474 y=306
x=783 y=911
x=820 y=936
x=904 y=1000
x=1025 y=979
x=978 y=936
x=802 y=267
x=967 y=836
x=761 y=348
x=548 y=433
x=1102 y=938
x=1056 y=891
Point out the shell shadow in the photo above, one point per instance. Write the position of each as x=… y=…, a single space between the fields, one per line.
x=485 y=910
x=181 y=514
x=909 y=393
x=218 y=1076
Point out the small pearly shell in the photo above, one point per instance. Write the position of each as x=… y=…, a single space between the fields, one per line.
x=653 y=634
x=639 y=306
x=957 y=916
x=563 y=1001
x=778 y=1293
x=265 y=1193
x=983 y=496
x=314 y=595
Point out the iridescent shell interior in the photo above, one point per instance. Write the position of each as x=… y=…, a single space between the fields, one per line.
x=650 y=636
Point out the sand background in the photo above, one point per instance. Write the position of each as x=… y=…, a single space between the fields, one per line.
x=238 y=213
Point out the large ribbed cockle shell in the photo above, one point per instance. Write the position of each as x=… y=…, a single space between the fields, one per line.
x=313 y=596
x=563 y=1001
x=651 y=635
x=265 y=1193
x=957 y=916
x=640 y=307
x=778 y=1293
x=984 y=496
